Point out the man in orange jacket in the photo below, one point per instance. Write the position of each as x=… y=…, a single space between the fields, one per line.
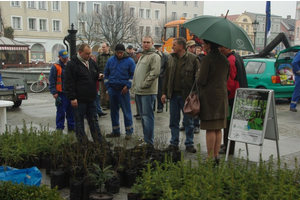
x=56 y=87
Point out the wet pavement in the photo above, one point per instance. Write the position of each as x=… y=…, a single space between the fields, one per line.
x=39 y=110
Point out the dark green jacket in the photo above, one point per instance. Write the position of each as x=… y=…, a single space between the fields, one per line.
x=187 y=76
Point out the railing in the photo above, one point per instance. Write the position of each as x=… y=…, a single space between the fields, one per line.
x=28 y=65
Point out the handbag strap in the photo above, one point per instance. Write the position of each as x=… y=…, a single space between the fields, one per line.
x=195 y=84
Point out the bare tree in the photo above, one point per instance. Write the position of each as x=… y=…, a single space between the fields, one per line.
x=117 y=23
x=161 y=24
x=88 y=28
x=1 y=20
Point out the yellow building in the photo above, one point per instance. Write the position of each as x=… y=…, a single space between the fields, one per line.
x=40 y=24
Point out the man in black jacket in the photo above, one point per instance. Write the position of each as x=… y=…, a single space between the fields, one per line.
x=81 y=75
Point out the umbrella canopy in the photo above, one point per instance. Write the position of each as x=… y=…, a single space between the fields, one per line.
x=221 y=31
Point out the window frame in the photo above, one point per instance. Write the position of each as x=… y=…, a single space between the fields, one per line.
x=98 y=4
x=143 y=13
x=46 y=5
x=15 y=6
x=84 y=8
x=158 y=14
x=58 y=4
x=34 y=3
x=60 y=25
x=148 y=11
x=20 y=23
x=46 y=24
x=29 y=24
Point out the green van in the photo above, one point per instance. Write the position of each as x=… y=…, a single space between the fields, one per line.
x=273 y=73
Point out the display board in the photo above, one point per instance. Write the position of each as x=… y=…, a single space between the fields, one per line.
x=253 y=117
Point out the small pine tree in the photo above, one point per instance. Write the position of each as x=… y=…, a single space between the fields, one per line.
x=9 y=32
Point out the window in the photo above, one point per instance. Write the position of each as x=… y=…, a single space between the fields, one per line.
x=97 y=8
x=174 y=2
x=195 y=15
x=148 y=30
x=157 y=32
x=196 y=3
x=81 y=7
x=141 y=13
x=132 y=12
x=97 y=27
x=157 y=14
x=298 y=14
x=255 y=67
x=42 y=5
x=16 y=22
x=31 y=4
x=141 y=30
x=185 y=3
x=56 y=5
x=174 y=15
x=297 y=33
x=148 y=14
x=32 y=24
x=184 y=15
x=81 y=27
x=247 y=28
x=170 y=32
x=43 y=25
x=111 y=9
x=56 y=25
x=245 y=20
x=15 y=3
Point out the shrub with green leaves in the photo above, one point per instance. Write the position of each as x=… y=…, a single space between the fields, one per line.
x=236 y=179
x=10 y=191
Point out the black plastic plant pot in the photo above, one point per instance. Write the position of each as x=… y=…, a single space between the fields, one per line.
x=76 y=189
x=113 y=184
x=130 y=177
x=133 y=196
x=88 y=188
x=57 y=178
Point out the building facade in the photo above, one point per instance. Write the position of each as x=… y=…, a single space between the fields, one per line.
x=297 y=25
x=41 y=24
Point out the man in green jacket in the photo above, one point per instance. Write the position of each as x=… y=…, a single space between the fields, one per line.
x=179 y=78
x=144 y=85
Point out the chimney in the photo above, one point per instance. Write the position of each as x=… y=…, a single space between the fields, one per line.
x=289 y=17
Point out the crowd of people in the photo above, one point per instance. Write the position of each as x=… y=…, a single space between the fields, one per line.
x=86 y=85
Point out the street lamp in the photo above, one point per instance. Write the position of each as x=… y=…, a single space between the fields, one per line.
x=255 y=26
x=291 y=33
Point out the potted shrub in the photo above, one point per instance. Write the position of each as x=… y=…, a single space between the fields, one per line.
x=100 y=176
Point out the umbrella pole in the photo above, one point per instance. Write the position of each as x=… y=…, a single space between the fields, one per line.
x=226 y=14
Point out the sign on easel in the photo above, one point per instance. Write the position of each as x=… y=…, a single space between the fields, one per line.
x=253 y=118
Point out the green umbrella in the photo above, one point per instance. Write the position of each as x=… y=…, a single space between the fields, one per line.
x=221 y=31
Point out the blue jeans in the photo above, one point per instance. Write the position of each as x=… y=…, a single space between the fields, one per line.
x=296 y=94
x=146 y=104
x=116 y=100
x=88 y=110
x=64 y=110
x=176 y=106
x=97 y=104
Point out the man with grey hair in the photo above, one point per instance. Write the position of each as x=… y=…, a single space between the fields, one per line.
x=178 y=82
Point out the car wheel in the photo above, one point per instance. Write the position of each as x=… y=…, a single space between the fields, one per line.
x=17 y=104
x=261 y=87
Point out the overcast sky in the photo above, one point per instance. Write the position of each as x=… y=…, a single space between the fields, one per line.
x=281 y=8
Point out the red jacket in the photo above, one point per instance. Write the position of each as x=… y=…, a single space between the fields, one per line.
x=232 y=83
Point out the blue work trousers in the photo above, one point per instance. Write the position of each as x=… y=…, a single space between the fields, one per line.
x=118 y=100
x=97 y=104
x=88 y=110
x=146 y=104
x=176 y=106
x=296 y=94
x=64 y=111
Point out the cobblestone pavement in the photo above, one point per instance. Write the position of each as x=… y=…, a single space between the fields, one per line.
x=39 y=110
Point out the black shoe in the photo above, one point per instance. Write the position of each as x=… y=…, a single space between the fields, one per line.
x=159 y=110
x=293 y=109
x=102 y=114
x=171 y=148
x=138 y=117
x=191 y=149
x=182 y=128
x=112 y=135
x=196 y=129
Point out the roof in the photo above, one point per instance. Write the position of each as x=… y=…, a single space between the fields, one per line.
x=232 y=17
x=4 y=41
x=289 y=23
